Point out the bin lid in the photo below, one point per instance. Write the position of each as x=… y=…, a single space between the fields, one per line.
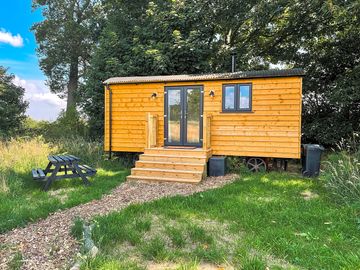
x=315 y=147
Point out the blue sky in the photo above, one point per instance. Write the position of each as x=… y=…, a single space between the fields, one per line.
x=18 y=54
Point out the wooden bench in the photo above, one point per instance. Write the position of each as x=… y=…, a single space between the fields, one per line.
x=68 y=164
x=38 y=174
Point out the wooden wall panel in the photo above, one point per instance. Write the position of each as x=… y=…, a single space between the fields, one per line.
x=272 y=129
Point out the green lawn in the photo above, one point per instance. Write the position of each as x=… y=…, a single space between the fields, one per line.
x=279 y=220
x=22 y=200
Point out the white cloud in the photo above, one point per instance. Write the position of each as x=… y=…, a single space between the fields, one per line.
x=43 y=105
x=8 y=38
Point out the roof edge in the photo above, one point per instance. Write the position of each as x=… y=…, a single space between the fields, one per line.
x=271 y=73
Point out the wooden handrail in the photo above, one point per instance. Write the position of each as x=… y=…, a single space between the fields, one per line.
x=151 y=130
x=207 y=131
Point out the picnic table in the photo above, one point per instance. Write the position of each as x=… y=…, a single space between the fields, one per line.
x=58 y=164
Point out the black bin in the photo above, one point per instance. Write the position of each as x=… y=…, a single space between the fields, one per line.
x=310 y=159
x=217 y=166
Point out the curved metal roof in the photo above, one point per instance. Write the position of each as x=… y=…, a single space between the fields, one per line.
x=295 y=72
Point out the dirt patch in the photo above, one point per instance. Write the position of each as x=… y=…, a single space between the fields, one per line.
x=309 y=195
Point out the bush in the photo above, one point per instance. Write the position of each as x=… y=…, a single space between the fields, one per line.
x=235 y=164
x=342 y=171
x=68 y=125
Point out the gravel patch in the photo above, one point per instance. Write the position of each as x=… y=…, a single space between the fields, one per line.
x=47 y=244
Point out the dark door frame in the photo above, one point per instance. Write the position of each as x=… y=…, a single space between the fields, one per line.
x=183 y=123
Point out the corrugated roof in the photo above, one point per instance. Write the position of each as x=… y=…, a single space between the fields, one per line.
x=208 y=77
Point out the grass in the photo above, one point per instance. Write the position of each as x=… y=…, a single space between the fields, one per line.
x=262 y=220
x=22 y=199
x=16 y=262
x=342 y=176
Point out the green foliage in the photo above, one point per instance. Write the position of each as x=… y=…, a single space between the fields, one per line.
x=77 y=229
x=171 y=37
x=16 y=262
x=198 y=234
x=66 y=38
x=175 y=236
x=145 y=38
x=235 y=164
x=12 y=105
x=321 y=37
x=104 y=263
x=342 y=172
x=68 y=125
x=154 y=249
x=254 y=263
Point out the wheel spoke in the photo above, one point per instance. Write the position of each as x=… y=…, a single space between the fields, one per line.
x=261 y=162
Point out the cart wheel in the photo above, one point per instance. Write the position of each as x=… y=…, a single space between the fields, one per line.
x=256 y=165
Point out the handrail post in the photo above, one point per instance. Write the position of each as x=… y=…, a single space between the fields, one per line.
x=151 y=130
x=206 y=132
x=147 y=130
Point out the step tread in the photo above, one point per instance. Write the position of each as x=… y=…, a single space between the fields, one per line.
x=166 y=170
x=175 y=156
x=162 y=179
x=179 y=149
x=171 y=163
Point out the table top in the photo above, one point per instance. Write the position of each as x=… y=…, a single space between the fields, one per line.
x=63 y=159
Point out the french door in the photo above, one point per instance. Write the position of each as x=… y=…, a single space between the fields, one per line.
x=183 y=118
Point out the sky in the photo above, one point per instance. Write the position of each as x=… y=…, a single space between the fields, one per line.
x=18 y=54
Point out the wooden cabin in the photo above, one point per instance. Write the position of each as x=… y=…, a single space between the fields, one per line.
x=179 y=121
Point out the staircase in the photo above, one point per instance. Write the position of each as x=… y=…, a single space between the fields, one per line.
x=171 y=165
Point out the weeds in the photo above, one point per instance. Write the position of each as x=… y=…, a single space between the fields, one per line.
x=154 y=249
x=342 y=171
x=176 y=236
x=16 y=262
x=77 y=229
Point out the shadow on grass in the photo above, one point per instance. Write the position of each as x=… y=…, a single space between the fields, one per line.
x=26 y=202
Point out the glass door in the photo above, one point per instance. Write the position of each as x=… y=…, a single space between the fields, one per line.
x=183 y=116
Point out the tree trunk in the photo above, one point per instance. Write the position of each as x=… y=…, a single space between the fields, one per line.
x=73 y=83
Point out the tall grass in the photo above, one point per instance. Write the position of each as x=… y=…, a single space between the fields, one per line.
x=342 y=171
x=22 y=199
x=18 y=157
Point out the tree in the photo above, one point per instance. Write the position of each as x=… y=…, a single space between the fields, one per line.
x=321 y=37
x=65 y=40
x=145 y=38
x=197 y=36
x=12 y=105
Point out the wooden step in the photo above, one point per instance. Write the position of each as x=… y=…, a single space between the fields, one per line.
x=161 y=179
x=173 y=158
x=170 y=165
x=196 y=152
x=195 y=175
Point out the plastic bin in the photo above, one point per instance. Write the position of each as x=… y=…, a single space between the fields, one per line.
x=217 y=166
x=310 y=159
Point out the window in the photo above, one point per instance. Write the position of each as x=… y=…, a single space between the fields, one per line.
x=237 y=97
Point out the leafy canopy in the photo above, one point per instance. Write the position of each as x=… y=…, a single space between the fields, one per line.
x=12 y=105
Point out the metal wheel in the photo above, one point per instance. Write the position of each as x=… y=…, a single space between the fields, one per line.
x=256 y=165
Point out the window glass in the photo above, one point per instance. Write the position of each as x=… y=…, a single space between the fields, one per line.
x=229 y=97
x=244 y=102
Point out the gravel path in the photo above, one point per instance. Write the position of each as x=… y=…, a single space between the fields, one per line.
x=47 y=244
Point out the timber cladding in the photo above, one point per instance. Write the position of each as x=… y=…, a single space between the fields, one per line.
x=271 y=129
